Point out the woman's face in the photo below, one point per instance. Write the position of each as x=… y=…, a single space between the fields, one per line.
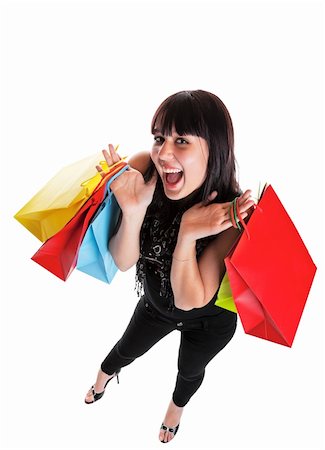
x=186 y=156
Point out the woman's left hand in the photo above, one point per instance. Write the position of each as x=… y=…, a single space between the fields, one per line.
x=202 y=219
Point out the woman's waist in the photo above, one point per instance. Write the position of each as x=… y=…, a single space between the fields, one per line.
x=166 y=306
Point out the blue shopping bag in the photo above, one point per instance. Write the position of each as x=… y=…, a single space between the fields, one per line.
x=94 y=257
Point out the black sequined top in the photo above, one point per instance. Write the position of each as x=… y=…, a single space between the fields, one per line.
x=158 y=238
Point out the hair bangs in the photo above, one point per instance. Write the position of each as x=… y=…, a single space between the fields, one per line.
x=181 y=111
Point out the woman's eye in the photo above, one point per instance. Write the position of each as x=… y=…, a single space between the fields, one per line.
x=181 y=139
x=160 y=140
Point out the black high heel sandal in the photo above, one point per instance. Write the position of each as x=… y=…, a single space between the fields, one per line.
x=98 y=395
x=171 y=430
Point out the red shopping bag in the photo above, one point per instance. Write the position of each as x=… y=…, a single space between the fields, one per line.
x=59 y=253
x=270 y=273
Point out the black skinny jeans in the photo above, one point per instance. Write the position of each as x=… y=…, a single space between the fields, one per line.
x=201 y=340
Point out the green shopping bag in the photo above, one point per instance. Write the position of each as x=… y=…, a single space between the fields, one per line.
x=224 y=298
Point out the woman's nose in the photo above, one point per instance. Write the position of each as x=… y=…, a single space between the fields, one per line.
x=166 y=151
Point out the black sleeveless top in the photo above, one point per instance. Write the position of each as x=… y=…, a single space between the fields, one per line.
x=158 y=238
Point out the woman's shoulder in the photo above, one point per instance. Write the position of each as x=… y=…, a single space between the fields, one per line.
x=140 y=161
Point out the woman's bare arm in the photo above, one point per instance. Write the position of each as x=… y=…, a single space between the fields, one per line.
x=195 y=281
x=125 y=244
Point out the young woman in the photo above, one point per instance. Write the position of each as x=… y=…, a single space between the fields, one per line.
x=176 y=227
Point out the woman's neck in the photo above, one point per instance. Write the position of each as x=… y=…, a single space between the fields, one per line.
x=185 y=202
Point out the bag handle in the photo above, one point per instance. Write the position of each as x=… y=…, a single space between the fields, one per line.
x=105 y=167
x=113 y=176
x=239 y=219
x=110 y=174
x=236 y=217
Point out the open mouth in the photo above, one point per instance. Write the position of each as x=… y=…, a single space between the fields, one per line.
x=172 y=180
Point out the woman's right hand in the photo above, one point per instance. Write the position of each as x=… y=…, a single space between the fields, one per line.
x=131 y=192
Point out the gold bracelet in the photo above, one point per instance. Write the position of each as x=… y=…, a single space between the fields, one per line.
x=182 y=260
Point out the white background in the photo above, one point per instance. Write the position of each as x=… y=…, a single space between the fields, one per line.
x=78 y=75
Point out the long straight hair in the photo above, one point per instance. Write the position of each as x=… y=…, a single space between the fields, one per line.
x=203 y=114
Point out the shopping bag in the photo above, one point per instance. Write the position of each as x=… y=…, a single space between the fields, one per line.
x=270 y=273
x=59 y=253
x=94 y=257
x=225 y=299
x=59 y=200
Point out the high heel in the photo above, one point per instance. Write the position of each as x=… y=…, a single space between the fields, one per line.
x=170 y=430
x=98 y=395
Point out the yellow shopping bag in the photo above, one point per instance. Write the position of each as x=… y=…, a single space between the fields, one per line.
x=62 y=197
x=224 y=298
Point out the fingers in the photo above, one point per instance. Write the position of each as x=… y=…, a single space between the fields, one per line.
x=111 y=156
x=211 y=197
x=246 y=206
x=227 y=223
x=245 y=201
x=100 y=170
x=245 y=197
x=244 y=215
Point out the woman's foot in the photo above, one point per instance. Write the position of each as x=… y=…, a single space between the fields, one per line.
x=99 y=386
x=171 y=420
